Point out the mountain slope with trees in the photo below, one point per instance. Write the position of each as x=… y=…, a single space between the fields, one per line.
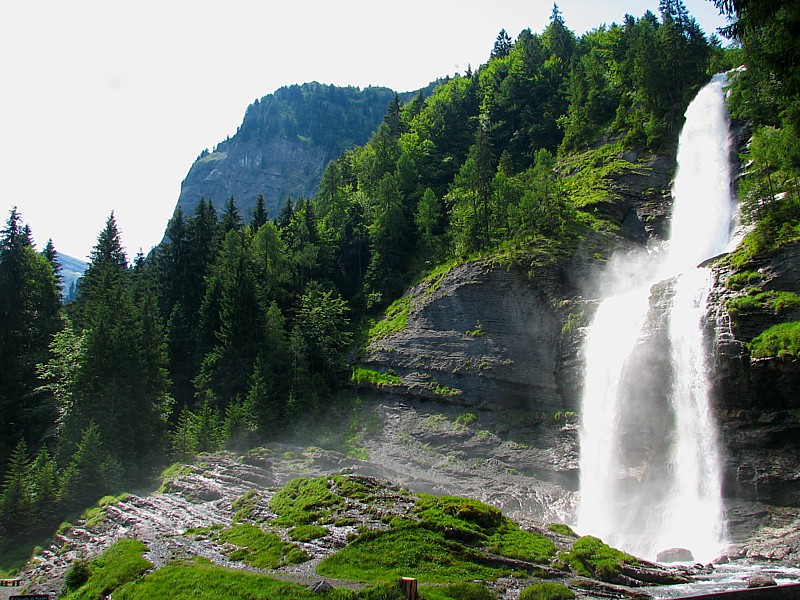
x=283 y=145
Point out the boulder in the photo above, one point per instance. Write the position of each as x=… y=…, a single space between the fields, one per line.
x=673 y=555
x=320 y=587
x=760 y=580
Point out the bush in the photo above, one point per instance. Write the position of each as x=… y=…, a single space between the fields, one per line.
x=76 y=576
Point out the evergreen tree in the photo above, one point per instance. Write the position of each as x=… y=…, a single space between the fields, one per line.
x=231 y=217
x=29 y=316
x=121 y=385
x=502 y=45
x=51 y=255
x=16 y=502
x=91 y=473
x=259 y=216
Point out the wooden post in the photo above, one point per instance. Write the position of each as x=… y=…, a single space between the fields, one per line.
x=409 y=587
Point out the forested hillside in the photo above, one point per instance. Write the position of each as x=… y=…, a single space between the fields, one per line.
x=283 y=145
x=236 y=325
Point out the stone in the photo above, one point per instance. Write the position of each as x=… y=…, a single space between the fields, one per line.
x=760 y=580
x=320 y=587
x=672 y=555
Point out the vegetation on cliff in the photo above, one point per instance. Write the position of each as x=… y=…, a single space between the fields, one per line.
x=767 y=96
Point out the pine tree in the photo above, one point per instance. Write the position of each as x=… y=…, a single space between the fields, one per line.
x=121 y=385
x=91 y=472
x=231 y=217
x=29 y=316
x=502 y=46
x=259 y=216
x=51 y=255
x=16 y=501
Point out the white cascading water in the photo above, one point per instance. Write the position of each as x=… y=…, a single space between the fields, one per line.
x=650 y=474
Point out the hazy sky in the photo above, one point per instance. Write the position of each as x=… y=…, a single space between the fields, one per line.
x=104 y=105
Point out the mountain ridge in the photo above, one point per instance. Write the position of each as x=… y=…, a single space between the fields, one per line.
x=284 y=143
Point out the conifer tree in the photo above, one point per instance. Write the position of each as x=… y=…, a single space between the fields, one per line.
x=231 y=217
x=259 y=216
x=16 y=502
x=29 y=316
x=121 y=385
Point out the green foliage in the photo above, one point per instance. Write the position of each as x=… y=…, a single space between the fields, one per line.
x=562 y=529
x=742 y=279
x=778 y=301
x=201 y=580
x=471 y=519
x=303 y=501
x=590 y=557
x=523 y=545
x=410 y=551
x=395 y=319
x=546 y=591
x=245 y=506
x=307 y=533
x=458 y=591
x=370 y=376
x=260 y=549
x=76 y=576
x=466 y=419
x=781 y=340
x=120 y=564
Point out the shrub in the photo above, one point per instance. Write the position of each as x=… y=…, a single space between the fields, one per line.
x=76 y=576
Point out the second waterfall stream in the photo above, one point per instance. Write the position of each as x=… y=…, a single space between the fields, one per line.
x=649 y=453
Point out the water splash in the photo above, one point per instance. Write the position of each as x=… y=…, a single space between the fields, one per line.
x=650 y=475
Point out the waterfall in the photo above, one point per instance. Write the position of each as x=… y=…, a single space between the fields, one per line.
x=650 y=475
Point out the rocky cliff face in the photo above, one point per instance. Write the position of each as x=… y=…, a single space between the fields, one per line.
x=758 y=398
x=283 y=146
x=497 y=338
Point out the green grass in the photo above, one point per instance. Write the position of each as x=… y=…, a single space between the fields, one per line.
x=546 y=591
x=742 y=279
x=260 y=549
x=120 y=564
x=778 y=301
x=173 y=472
x=245 y=506
x=562 y=529
x=377 y=378
x=306 y=533
x=458 y=591
x=590 y=557
x=523 y=545
x=200 y=580
x=409 y=551
x=779 y=340
x=469 y=519
x=303 y=501
x=395 y=319
x=466 y=419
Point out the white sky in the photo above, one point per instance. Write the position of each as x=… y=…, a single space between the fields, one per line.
x=104 y=105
